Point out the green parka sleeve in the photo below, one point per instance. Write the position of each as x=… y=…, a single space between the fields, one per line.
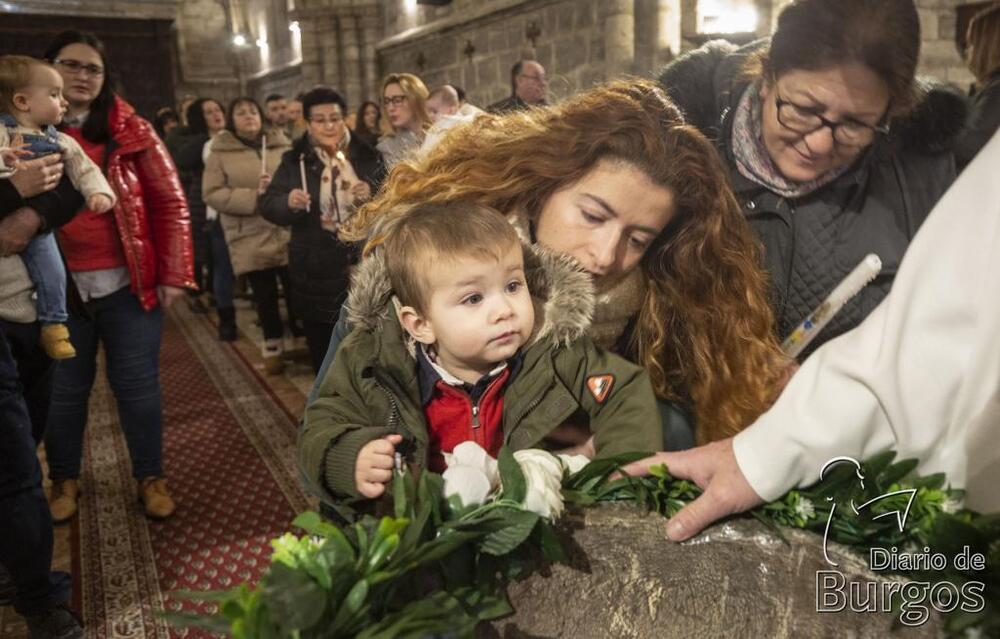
x=616 y=394
x=336 y=426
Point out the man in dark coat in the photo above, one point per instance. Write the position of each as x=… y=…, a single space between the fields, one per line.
x=528 y=88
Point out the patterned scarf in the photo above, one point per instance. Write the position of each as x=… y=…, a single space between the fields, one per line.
x=752 y=158
x=336 y=204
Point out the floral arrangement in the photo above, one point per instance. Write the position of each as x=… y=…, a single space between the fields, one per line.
x=459 y=538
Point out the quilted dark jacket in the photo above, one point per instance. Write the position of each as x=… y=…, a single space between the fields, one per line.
x=811 y=243
x=318 y=262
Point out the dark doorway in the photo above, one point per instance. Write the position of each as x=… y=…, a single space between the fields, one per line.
x=141 y=51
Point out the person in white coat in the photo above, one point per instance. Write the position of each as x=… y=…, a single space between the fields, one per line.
x=921 y=376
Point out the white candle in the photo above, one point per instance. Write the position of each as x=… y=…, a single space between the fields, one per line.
x=302 y=171
x=263 y=154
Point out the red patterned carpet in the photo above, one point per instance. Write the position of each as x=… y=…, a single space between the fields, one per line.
x=230 y=463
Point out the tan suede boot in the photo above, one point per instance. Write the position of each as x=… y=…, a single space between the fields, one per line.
x=273 y=352
x=155 y=499
x=55 y=340
x=62 y=502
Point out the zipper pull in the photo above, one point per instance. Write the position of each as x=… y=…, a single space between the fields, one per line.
x=475 y=416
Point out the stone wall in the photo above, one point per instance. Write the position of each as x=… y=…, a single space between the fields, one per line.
x=939 y=56
x=206 y=60
x=473 y=45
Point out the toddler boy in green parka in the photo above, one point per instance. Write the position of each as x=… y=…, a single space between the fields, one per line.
x=461 y=333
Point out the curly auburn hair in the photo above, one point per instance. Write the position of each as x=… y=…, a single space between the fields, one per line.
x=705 y=331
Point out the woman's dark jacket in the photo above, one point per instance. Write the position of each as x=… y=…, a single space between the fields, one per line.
x=983 y=122
x=318 y=262
x=186 y=148
x=811 y=243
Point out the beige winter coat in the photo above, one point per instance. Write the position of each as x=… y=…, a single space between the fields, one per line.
x=229 y=185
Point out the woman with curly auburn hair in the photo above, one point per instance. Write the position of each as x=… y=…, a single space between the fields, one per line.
x=614 y=178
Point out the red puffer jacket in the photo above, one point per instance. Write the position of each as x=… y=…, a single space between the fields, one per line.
x=151 y=213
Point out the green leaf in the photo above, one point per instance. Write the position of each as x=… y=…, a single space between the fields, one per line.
x=311 y=522
x=898 y=471
x=549 y=543
x=515 y=486
x=401 y=503
x=301 y=600
x=383 y=552
x=520 y=523
x=599 y=469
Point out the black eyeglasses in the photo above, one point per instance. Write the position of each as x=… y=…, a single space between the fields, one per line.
x=805 y=121
x=75 y=67
x=395 y=100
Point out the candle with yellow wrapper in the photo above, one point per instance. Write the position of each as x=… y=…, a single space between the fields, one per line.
x=851 y=285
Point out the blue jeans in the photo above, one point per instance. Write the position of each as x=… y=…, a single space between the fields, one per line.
x=131 y=340
x=26 y=532
x=222 y=267
x=45 y=267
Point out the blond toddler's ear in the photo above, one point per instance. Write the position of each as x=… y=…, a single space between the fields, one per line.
x=416 y=325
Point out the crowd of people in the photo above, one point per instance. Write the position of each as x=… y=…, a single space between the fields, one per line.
x=611 y=272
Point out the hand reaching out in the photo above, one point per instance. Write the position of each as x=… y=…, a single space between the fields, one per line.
x=714 y=469
x=373 y=469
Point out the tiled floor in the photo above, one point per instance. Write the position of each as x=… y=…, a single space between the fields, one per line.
x=290 y=389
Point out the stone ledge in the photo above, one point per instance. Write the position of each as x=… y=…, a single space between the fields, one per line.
x=736 y=579
x=484 y=13
x=141 y=9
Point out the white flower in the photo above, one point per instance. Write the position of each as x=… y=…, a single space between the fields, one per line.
x=470 y=484
x=973 y=633
x=471 y=474
x=951 y=505
x=805 y=509
x=472 y=454
x=543 y=474
x=574 y=463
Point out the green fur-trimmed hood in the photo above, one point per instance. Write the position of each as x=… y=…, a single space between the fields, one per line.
x=562 y=293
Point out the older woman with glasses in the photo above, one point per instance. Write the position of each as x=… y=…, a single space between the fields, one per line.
x=404 y=104
x=316 y=188
x=833 y=148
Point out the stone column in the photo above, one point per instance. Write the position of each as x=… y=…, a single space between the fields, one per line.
x=669 y=42
x=350 y=57
x=330 y=47
x=370 y=79
x=312 y=51
x=619 y=36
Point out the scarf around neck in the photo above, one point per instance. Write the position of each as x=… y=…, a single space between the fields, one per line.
x=752 y=159
x=616 y=299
